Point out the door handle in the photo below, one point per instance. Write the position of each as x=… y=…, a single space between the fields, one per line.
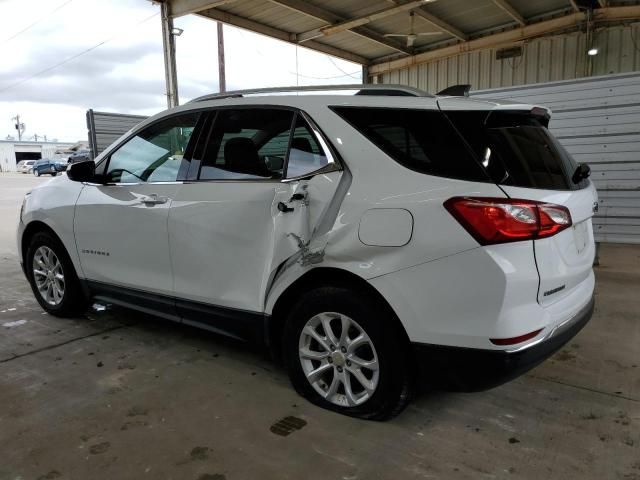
x=284 y=208
x=153 y=199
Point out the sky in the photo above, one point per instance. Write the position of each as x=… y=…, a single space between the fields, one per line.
x=61 y=57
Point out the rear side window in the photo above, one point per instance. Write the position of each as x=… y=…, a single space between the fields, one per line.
x=421 y=140
x=256 y=144
x=517 y=150
x=305 y=155
x=237 y=146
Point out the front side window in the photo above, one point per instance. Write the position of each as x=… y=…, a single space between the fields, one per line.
x=155 y=154
x=245 y=144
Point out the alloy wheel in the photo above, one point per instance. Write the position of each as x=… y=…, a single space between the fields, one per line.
x=339 y=359
x=48 y=275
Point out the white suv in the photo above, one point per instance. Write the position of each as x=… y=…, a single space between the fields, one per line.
x=25 y=166
x=370 y=237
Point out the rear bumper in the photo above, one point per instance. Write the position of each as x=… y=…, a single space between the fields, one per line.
x=471 y=369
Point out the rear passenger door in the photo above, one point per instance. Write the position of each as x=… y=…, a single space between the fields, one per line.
x=234 y=221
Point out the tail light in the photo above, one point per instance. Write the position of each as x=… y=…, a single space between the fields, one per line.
x=502 y=220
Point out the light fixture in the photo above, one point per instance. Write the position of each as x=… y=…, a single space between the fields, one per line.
x=592 y=51
x=176 y=31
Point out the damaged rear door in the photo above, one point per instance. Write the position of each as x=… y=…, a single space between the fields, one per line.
x=261 y=193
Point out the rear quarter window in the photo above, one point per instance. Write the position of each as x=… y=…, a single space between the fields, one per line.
x=421 y=140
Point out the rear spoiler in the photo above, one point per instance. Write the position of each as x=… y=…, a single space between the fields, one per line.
x=541 y=113
x=461 y=90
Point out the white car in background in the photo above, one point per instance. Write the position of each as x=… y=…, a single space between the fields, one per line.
x=376 y=241
x=25 y=166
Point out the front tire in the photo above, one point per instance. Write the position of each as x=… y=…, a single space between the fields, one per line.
x=52 y=277
x=344 y=352
x=36 y=173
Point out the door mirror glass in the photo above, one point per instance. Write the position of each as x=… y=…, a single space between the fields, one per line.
x=82 y=171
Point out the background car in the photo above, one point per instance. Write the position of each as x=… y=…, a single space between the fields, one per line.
x=79 y=156
x=48 y=166
x=25 y=166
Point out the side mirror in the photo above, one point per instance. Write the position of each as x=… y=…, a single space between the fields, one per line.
x=82 y=171
x=583 y=171
x=274 y=163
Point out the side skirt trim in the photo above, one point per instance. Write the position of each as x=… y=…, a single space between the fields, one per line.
x=239 y=324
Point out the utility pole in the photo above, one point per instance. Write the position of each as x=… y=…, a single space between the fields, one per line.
x=169 y=49
x=222 y=82
x=19 y=126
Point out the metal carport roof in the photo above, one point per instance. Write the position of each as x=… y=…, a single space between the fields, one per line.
x=355 y=30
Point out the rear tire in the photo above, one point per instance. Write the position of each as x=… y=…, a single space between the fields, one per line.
x=53 y=279
x=365 y=373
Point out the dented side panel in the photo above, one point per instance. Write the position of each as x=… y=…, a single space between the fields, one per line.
x=378 y=182
x=220 y=234
x=229 y=240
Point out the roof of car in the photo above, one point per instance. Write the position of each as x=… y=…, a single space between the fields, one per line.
x=377 y=95
x=314 y=97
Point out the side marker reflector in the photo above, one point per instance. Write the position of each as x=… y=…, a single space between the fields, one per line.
x=514 y=340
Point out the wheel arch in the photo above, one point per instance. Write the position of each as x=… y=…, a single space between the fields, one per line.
x=77 y=292
x=322 y=277
x=30 y=230
x=37 y=226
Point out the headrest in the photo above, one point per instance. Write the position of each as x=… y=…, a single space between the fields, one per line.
x=241 y=155
x=302 y=143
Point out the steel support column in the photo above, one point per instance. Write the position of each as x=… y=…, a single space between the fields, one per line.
x=169 y=49
x=365 y=75
x=222 y=76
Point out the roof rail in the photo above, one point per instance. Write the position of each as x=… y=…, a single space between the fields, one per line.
x=369 y=89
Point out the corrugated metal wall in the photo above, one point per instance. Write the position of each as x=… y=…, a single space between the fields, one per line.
x=546 y=59
x=598 y=122
x=105 y=128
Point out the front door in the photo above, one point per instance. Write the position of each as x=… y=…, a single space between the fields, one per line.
x=242 y=214
x=121 y=223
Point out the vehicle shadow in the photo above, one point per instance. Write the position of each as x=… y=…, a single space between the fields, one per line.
x=164 y=334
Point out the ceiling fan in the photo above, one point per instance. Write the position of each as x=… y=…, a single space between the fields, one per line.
x=411 y=36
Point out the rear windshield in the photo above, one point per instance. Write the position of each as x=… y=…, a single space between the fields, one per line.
x=422 y=140
x=516 y=149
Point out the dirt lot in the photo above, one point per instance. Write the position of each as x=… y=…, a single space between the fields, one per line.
x=119 y=395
